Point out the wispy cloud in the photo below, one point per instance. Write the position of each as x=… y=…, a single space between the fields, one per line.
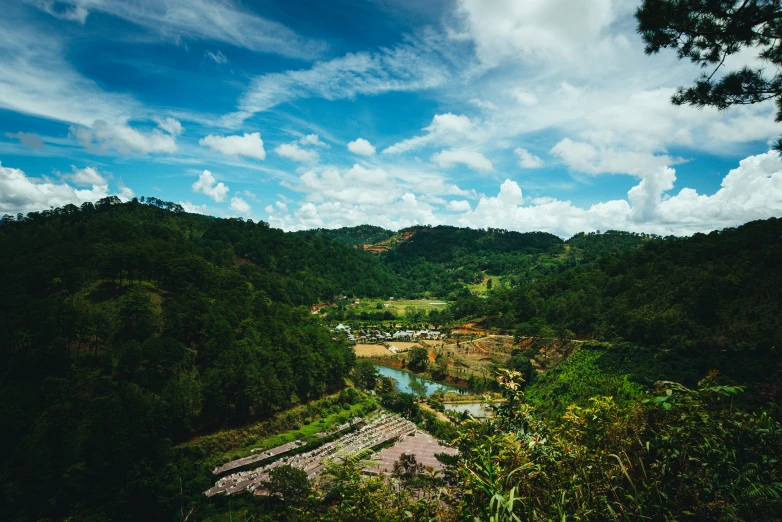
x=28 y=139
x=421 y=62
x=217 y=20
x=35 y=79
x=217 y=56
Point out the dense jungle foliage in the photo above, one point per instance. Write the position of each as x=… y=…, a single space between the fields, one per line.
x=134 y=335
x=125 y=328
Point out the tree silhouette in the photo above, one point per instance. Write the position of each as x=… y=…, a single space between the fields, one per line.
x=708 y=31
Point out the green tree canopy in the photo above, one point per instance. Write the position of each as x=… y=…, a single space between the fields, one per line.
x=419 y=358
x=707 y=32
x=289 y=483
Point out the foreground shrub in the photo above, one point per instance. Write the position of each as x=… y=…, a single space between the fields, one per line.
x=682 y=454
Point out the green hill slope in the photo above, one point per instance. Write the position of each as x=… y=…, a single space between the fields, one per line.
x=441 y=261
x=708 y=301
x=124 y=327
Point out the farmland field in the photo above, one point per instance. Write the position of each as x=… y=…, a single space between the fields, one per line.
x=403 y=346
x=371 y=350
x=398 y=306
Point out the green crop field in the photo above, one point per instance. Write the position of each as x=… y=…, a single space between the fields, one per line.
x=398 y=306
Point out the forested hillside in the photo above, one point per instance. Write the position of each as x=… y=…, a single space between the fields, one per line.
x=713 y=300
x=360 y=235
x=440 y=261
x=444 y=261
x=127 y=327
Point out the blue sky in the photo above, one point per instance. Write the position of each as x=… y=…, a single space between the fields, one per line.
x=535 y=115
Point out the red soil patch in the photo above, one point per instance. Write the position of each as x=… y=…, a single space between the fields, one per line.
x=470 y=331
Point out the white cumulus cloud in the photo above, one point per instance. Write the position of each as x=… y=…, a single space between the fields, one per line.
x=473 y=159
x=591 y=159
x=293 y=152
x=459 y=206
x=313 y=139
x=194 y=209
x=538 y=30
x=240 y=206
x=362 y=147
x=446 y=128
x=527 y=160
x=383 y=197
x=751 y=191
x=20 y=193
x=102 y=136
x=208 y=185
x=85 y=176
x=249 y=145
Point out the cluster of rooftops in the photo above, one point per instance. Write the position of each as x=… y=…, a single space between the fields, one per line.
x=379 y=336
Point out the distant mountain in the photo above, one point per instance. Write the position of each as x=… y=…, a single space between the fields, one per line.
x=443 y=261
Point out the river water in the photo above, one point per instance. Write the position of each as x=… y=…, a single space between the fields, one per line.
x=409 y=383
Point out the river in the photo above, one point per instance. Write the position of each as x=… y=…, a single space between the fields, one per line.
x=409 y=383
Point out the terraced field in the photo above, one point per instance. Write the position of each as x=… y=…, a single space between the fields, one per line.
x=375 y=432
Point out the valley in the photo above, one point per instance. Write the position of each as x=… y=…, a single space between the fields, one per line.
x=225 y=368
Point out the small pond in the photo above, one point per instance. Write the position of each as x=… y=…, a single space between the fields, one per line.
x=409 y=383
x=479 y=410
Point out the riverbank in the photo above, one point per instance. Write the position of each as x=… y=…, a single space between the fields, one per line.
x=396 y=364
x=409 y=382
